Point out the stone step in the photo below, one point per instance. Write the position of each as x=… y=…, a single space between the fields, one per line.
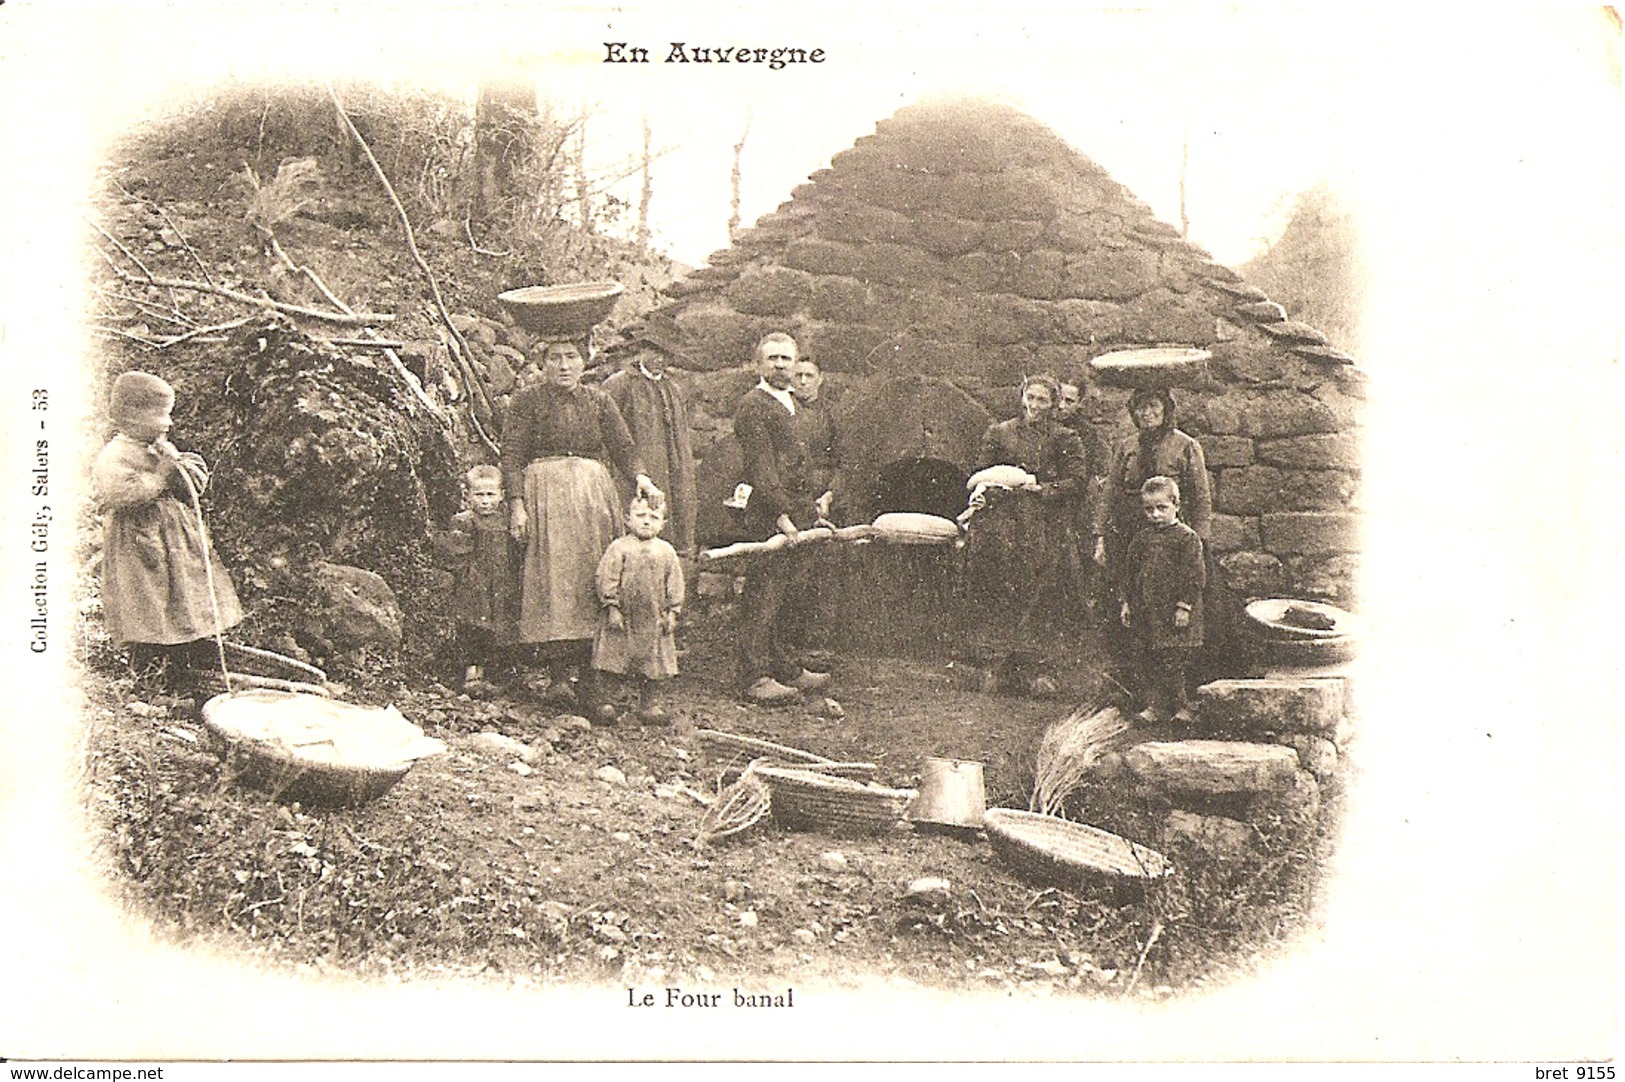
x=1207 y=768
x=1218 y=835
x=1298 y=704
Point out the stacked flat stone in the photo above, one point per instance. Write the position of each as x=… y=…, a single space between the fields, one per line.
x=1260 y=748
x=963 y=246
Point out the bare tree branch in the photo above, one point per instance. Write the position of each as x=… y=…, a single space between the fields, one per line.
x=356 y=319
x=477 y=389
x=739 y=150
x=648 y=189
x=171 y=223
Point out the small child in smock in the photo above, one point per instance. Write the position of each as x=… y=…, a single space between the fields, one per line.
x=157 y=564
x=640 y=584
x=1162 y=600
x=485 y=600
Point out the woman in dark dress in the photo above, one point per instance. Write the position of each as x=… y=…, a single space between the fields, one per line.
x=1017 y=541
x=560 y=441
x=1156 y=449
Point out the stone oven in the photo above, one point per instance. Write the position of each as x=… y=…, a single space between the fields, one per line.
x=962 y=246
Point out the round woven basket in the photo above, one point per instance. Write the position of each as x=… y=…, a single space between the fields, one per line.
x=565 y=310
x=1163 y=366
x=807 y=800
x=1053 y=850
x=1272 y=618
x=1308 y=652
x=313 y=750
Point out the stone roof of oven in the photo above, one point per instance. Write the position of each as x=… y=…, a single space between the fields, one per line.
x=967 y=241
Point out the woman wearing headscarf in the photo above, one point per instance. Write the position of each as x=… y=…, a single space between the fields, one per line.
x=1018 y=540
x=1156 y=449
x=560 y=441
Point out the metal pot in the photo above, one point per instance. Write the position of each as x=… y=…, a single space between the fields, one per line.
x=952 y=793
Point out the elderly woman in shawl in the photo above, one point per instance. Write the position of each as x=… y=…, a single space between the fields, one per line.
x=560 y=441
x=1017 y=541
x=1156 y=449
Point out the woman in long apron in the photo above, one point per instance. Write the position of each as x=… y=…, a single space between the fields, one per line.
x=559 y=442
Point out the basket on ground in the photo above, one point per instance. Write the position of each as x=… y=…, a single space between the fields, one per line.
x=809 y=800
x=729 y=754
x=568 y=310
x=311 y=749
x=1053 y=850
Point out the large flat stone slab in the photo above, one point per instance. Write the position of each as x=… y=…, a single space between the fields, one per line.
x=1309 y=704
x=1213 y=767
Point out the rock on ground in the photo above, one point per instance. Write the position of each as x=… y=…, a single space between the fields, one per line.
x=1213 y=767
x=1308 y=704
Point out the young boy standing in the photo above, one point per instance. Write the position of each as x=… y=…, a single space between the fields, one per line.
x=486 y=598
x=1162 y=601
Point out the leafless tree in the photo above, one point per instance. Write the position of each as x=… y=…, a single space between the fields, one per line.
x=505 y=124
x=648 y=188
x=739 y=150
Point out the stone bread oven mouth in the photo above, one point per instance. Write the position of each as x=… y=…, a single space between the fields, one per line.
x=928 y=486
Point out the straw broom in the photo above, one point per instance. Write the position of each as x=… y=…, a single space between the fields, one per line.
x=1070 y=749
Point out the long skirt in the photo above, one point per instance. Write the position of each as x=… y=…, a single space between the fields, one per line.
x=574 y=515
x=155 y=579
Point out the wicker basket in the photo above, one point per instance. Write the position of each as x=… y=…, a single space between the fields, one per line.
x=1272 y=619
x=316 y=751
x=808 y=800
x=1164 y=366
x=730 y=753
x=1308 y=653
x=566 y=310
x=1053 y=850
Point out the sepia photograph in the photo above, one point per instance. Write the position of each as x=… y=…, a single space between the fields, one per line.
x=586 y=533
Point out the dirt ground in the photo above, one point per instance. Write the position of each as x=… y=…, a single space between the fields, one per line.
x=526 y=865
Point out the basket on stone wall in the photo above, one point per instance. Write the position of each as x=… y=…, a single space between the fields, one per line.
x=1151 y=369
x=561 y=311
x=1289 y=618
x=730 y=753
x=1052 y=850
x=1308 y=653
x=310 y=749
x=808 y=800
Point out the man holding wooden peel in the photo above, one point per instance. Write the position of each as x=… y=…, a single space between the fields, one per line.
x=781 y=502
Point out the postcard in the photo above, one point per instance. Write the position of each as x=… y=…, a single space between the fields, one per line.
x=586 y=533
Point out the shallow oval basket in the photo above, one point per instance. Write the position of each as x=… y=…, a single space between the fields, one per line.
x=1055 y=850
x=314 y=750
x=1161 y=366
x=570 y=309
x=1288 y=618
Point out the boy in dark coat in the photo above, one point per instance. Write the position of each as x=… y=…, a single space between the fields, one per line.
x=485 y=599
x=1162 y=600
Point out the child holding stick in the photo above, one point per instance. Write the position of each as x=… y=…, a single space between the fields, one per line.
x=164 y=594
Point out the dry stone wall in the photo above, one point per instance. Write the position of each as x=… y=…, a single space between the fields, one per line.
x=963 y=246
